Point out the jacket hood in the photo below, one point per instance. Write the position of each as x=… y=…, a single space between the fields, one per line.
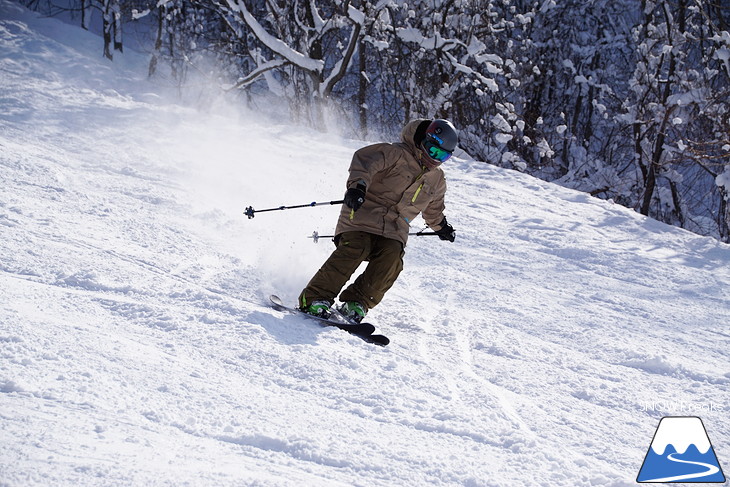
x=408 y=134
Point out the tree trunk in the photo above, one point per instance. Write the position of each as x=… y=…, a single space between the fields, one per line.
x=158 y=41
x=107 y=30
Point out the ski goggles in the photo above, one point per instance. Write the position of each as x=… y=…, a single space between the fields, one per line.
x=434 y=150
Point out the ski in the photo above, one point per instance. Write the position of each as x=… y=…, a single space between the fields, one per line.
x=363 y=331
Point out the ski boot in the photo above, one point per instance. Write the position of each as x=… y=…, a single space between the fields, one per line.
x=318 y=308
x=353 y=311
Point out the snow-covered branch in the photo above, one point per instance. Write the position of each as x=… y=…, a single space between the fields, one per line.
x=256 y=73
x=338 y=72
x=275 y=44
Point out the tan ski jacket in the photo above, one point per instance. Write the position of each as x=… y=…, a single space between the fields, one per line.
x=398 y=189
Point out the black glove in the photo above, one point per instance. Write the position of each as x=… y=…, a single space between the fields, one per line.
x=447 y=231
x=355 y=197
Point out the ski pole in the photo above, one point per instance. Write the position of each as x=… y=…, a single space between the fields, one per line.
x=316 y=236
x=250 y=211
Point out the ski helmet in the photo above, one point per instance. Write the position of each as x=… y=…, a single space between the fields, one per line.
x=439 y=142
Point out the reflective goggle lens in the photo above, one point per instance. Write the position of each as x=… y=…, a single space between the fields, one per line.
x=435 y=152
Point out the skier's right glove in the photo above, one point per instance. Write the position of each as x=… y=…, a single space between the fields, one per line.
x=446 y=232
x=355 y=197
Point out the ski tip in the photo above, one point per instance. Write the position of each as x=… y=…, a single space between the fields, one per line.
x=380 y=340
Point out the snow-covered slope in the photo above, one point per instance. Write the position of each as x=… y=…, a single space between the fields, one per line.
x=136 y=347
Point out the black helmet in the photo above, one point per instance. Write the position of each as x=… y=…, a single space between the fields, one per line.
x=440 y=141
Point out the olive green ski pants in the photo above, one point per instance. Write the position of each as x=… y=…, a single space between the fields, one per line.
x=385 y=262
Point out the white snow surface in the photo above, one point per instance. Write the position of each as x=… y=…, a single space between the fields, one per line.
x=137 y=347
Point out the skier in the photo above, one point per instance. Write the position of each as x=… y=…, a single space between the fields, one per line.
x=388 y=186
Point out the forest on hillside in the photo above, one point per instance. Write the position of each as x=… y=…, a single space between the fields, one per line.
x=624 y=99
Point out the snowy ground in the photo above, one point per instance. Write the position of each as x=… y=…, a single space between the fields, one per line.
x=136 y=347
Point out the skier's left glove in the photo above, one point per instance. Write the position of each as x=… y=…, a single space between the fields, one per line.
x=446 y=232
